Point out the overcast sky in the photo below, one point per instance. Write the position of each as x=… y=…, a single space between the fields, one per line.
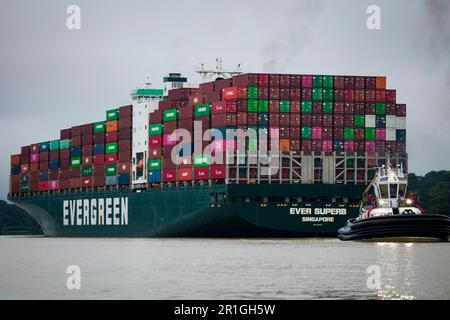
x=52 y=77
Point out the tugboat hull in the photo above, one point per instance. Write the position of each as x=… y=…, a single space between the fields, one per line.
x=426 y=226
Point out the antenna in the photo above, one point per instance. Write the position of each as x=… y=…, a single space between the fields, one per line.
x=147 y=81
x=218 y=72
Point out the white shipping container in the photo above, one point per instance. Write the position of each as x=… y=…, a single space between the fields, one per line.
x=391 y=122
x=391 y=134
x=401 y=123
x=370 y=121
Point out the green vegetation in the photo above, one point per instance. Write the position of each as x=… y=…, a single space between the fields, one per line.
x=14 y=220
x=433 y=190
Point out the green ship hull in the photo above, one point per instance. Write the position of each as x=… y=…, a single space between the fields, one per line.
x=292 y=210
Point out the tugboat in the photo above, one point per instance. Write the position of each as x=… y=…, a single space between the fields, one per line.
x=388 y=213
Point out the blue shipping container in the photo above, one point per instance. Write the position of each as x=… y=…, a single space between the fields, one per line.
x=25 y=177
x=75 y=152
x=154 y=176
x=111 y=180
x=44 y=146
x=43 y=176
x=15 y=169
x=401 y=135
x=99 y=148
x=338 y=146
x=124 y=179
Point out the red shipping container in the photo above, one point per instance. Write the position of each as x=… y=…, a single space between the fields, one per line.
x=338 y=107
x=34 y=167
x=185 y=113
x=317 y=107
x=339 y=94
x=64 y=164
x=338 y=133
x=295 y=132
x=391 y=109
x=185 y=174
x=263 y=93
x=125 y=123
x=99 y=137
x=296 y=80
x=400 y=147
x=34 y=148
x=274 y=119
x=124 y=167
x=285 y=132
x=380 y=95
x=241 y=118
x=43 y=165
x=370 y=108
x=218 y=107
x=87 y=150
x=391 y=96
x=380 y=135
x=75 y=172
x=75 y=141
x=125 y=111
x=359 y=146
x=201 y=173
x=274 y=80
x=284 y=119
x=218 y=172
x=285 y=80
x=359 y=108
x=64 y=184
x=64 y=154
x=306 y=93
x=349 y=108
x=295 y=145
x=111 y=158
x=317 y=120
x=380 y=146
x=274 y=106
x=306 y=145
x=233 y=93
x=15 y=159
x=34 y=158
x=370 y=96
x=359 y=133
x=65 y=134
x=349 y=146
x=360 y=95
x=86 y=182
x=306 y=119
x=154 y=141
x=44 y=156
x=295 y=94
x=124 y=145
x=371 y=82
x=360 y=82
x=54 y=155
x=338 y=120
x=169 y=175
x=339 y=82
x=390 y=147
x=99 y=159
x=124 y=156
x=53 y=184
x=75 y=183
x=349 y=82
x=401 y=110
x=327 y=133
x=24 y=168
x=349 y=120
x=295 y=106
x=274 y=93
x=111 y=137
x=245 y=79
x=295 y=119
x=99 y=180
x=327 y=120
x=87 y=161
x=43 y=185
x=53 y=175
x=349 y=95
x=327 y=145
x=87 y=129
x=75 y=131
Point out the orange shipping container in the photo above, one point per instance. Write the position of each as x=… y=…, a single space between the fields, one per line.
x=381 y=83
x=112 y=126
x=15 y=159
x=284 y=145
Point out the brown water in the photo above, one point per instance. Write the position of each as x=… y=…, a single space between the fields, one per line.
x=35 y=268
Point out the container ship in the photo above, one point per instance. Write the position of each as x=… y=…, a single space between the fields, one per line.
x=250 y=155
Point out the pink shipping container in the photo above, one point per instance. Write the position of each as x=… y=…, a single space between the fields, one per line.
x=34 y=158
x=380 y=135
x=306 y=81
x=111 y=158
x=327 y=145
x=317 y=133
x=218 y=107
x=370 y=146
x=349 y=146
x=53 y=185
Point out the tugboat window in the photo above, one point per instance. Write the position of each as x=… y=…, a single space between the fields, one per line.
x=393 y=190
x=402 y=190
x=384 y=191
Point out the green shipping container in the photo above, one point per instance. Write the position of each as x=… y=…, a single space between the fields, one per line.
x=252 y=105
x=328 y=94
x=263 y=105
x=64 y=144
x=155 y=129
x=285 y=106
x=202 y=110
x=327 y=107
x=75 y=162
x=170 y=115
x=99 y=127
x=370 y=133
x=380 y=108
x=54 y=145
x=349 y=133
x=86 y=171
x=24 y=187
x=306 y=132
x=317 y=81
x=306 y=106
x=112 y=147
x=111 y=170
x=252 y=92
x=201 y=160
x=317 y=94
x=112 y=114
x=328 y=82
x=360 y=120
x=154 y=164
